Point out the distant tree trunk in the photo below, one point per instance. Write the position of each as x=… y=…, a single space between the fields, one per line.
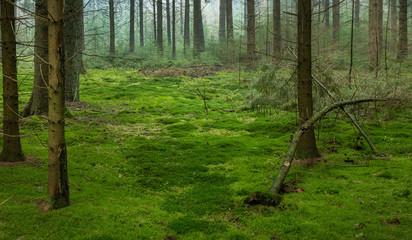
x=357 y=13
x=394 y=18
x=327 y=23
x=58 y=183
x=336 y=19
x=251 y=44
x=198 y=35
x=131 y=31
x=403 y=29
x=154 y=22
x=307 y=146
x=168 y=22
x=222 y=21
x=39 y=102
x=112 y=31
x=141 y=29
x=11 y=136
x=174 y=28
x=229 y=19
x=277 y=40
x=181 y=17
x=160 y=27
x=186 y=36
x=375 y=33
x=72 y=46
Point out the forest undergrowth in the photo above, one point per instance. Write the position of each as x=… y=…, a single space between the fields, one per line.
x=175 y=157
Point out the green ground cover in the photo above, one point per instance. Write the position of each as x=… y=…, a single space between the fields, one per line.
x=146 y=161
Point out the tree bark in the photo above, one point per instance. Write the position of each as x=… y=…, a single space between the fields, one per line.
x=357 y=13
x=141 y=29
x=229 y=20
x=307 y=147
x=198 y=35
x=287 y=162
x=222 y=21
x=174 y=28
x=251 y=43
x=375 y=33
x=327 y=23
x=58 y=183
x=112 y=31
x=72 y=46
x=393 y=20
x=186 y=36
x=154 y=22
x=39 y=102
x=160 y=27
x=403 y=30
x=169 y=40
x=336 y=19
x=131 y=31
x=181 y=17
x=277 y=40
x=11 y=135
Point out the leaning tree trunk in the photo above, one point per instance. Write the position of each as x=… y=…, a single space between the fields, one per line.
x=403 y=30
x=112 y=31
x=141 y=29
x=222 y=21
x=11 y=136
x=336 y=20
x=276 y=31
x=72 y=46
x=251 y=43
x=131 y=28
x=58 y=183
x=38 y=103
x=307 y=147
x=160 y=27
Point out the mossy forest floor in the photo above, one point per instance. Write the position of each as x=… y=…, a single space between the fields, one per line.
x=146 y=161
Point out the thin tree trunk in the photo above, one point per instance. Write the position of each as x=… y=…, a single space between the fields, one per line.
x=169 y=40
x=336 y=19
x=131 y=31
x=277 y=40
x=307 y=146
x=58 y=183
x=11 y=135
x=181 y=17
x=72 y=46
x=141 y=29
x=160 y=27
x=251 y=43
x=112 y=31
x=154 y=22
x=327 y=23
x=186 y=36
x=374 y=35
x=174 y=28
x=222 y=21
x=403 y=30
x=39 y=102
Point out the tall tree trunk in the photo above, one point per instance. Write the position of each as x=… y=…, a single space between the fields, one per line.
x=198 y=35
x=307 y=146
x=403 y=29
x=141 y=29
x=186 y=42
x=154 y=22
x=327 y=6
x=229 y=20
x=83 y=46
x=168 y=22
x=72 y=46
x=393 y=20
x=374 y=34
x=181 y=17
x=131 y=31
x=160 y=27
x=112 y=31
x=174 y=28
x=336 y=19
x=58 y=183
x=11 y=136
x=39 y=102
x=251 y=43
x=222 y=21
x=277 y=40
x=357 y=13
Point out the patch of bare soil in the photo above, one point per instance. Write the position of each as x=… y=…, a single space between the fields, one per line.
x=190 y=71
x=30 y=160
x=44 y=206
x=290 y=187
x=81 y=105
x=307 y=162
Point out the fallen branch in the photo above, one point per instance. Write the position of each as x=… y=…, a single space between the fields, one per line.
x=284 y=169
x=6 y=200
x=348 y=115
